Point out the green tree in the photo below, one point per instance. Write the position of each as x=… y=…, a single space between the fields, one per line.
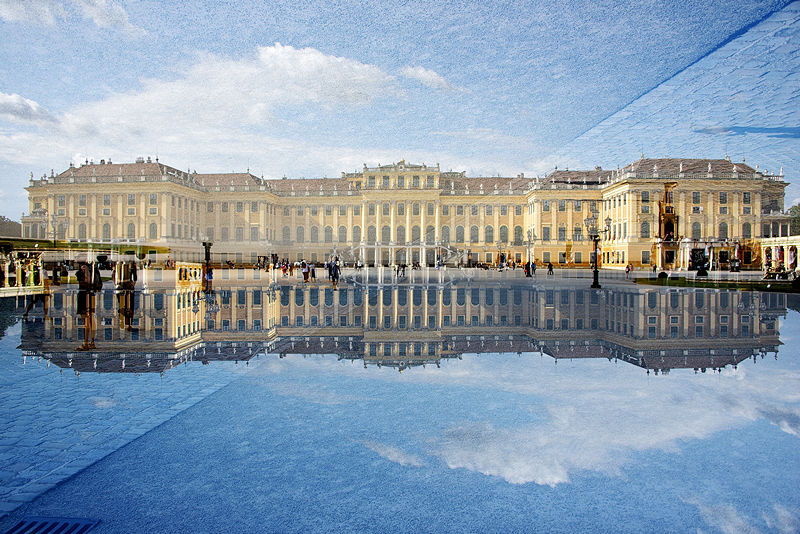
x=10 y=228
x=794 y=212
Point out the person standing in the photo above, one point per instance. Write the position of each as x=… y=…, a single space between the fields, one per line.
x=549 y=268
x=334 y=271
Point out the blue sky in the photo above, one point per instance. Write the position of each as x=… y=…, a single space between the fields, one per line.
x=316 y=88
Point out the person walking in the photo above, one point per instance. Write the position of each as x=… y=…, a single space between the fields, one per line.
x=549 y=268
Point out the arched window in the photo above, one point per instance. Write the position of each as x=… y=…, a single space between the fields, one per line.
x=401 y=234
x=473 y=234
x=328 y=234
x=153 y=231
x=696 y=230
x=342 y=234
x=645 y=230
x=415 y=234
x=301 y=234
x=386 y=234
x=106 y=232
x=356 y=234
x=747 y=233
x=371 y=235
x=287 y=234
x=504 y=234
x=723 y=230
x=488 y=234
x=430 y=234
x=459 y=234
x=82 y=231
x=518 y=235
x=445 y=234
x=314 y=234
x=131 y=231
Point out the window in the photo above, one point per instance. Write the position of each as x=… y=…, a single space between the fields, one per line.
x=328 y=234
x=153 y=199
x=645 y=197
x=445 y=210
x=546 y=234
x=356 y=210
x=131 y=231
x=401 y=234
x=645 y=230
x=723 y=210
x=224 y=233
x=371 y=182
x=342 y=234
x=300 y=211
x=504 y=234
x=578 y=205
x=386 y=208
x=518 y=235
x=153 y=231
x=431 y=208
x=545 y=205
x=459 y=234
x=254 y=233
x=225 y=207
x=371 y=209
x=645 y=257
x=696 y=230
x=430 y=182
x=342 y=211
x=415 y=208
x=385 y=183
x=82 y=200
x=131 y=199
x=562 y=233
x=415 y=182
x=746 y=231
x=401 y=182
x=314 y=234
x=301 y=234
x=562 y=205
x=488 y=235
x=459 y=210
x=488 y=210
x=61 y=201
x=239 y=233
x=473 y=234
x=723 y=230
x=695 y=197
x=577 y=233
x=723 y=197
x=254 y=207
x=401 y=208
x=106 y=200
x=746 y=198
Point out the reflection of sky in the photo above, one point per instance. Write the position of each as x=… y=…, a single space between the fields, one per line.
x=742 y=99
x=492 y=441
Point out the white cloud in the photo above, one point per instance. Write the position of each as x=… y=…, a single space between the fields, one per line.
x=427 y=77
x=20 y=109
x=393 y=454
x=42 y=11
x=218 y=110
x=725 y=517
x=108 y=14
x=782 y=519
x=104 y=13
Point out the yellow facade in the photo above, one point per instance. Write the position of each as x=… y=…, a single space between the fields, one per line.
x=649 y=212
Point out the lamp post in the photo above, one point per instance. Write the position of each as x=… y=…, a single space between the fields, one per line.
x=594 y=235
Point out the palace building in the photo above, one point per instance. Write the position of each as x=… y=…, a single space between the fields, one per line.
x=667 y=212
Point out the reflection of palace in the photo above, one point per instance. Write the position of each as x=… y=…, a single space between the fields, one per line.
x=395 y=325
x=407 y=325
x=671 y=212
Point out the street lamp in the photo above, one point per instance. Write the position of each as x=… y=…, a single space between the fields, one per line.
x=594 y=235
